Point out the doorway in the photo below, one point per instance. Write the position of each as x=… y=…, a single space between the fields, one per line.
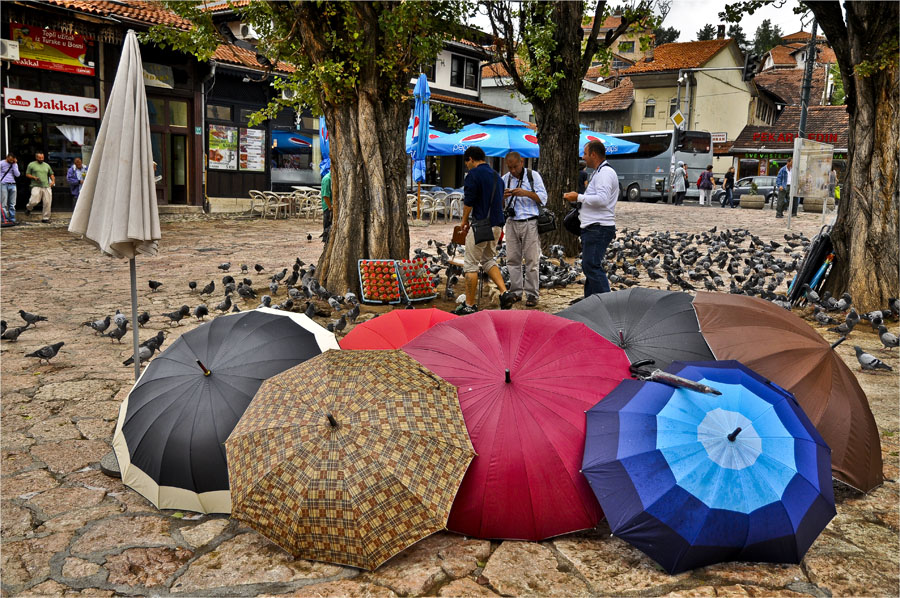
x=169 y=125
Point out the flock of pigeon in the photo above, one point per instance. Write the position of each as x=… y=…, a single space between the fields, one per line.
x=731 y=260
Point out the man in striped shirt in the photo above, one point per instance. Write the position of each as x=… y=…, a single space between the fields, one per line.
x=523 y=195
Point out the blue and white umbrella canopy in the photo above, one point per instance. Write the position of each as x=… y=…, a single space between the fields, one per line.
x=420 y=122
x=693 y=479
x=324 y=147
x=614 y=146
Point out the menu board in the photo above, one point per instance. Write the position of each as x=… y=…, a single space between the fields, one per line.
x=223 y=147
x=50 y=49
x=252 y=156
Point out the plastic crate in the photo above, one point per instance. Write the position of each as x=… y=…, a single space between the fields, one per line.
x=373 y=273
x=417 y=281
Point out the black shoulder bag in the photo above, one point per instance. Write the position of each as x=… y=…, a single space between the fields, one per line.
x=482 y=229
x=546 y=221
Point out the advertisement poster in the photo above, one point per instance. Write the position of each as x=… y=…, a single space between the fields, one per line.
x=223 y=147
x=51 y=50
x=252 y=155
x=812 y=165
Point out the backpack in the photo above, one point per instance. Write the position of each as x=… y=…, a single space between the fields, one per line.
x=699 y=180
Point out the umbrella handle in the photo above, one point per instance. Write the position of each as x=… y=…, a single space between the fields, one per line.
x=637 y=368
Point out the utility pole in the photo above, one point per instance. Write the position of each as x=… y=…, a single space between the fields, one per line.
x=804 y=106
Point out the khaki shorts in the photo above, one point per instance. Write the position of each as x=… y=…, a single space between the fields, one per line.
x=482 y=254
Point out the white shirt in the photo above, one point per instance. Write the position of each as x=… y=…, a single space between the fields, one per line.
x=525 y=206
x=598 y=202
x=789 y=175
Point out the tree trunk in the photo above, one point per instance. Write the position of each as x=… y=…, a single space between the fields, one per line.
x=557 y=124
x=866 y=235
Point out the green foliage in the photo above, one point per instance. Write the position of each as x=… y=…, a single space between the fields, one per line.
x=767 y=37
x=736 y=32
x=665 y=35
x=837 y=93
x=886 y=56
x=706 y=33
x=447 y=115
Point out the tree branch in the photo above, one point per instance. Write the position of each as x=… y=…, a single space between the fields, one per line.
x=590 y=47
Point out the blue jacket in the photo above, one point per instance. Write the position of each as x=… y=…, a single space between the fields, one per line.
x=781 y=179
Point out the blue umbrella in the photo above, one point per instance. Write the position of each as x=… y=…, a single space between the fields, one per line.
x=497 y=137
x=614 y=145
x=694 y=479
x=420 y=125
x=325 y=164
x=432 y=135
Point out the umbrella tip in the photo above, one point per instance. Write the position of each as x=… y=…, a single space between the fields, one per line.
x=206 y=372
x=331 y=421
x=508 y=380
x=734 y=434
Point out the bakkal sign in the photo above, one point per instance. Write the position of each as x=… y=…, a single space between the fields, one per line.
x=789 y=137
x=50 y=103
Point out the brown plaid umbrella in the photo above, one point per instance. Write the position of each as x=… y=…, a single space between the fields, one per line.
x=349 y=457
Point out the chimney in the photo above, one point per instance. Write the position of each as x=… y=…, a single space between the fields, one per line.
x=721 y=33
x=648 y=55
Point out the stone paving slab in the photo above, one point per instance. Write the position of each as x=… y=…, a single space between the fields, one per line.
x=68 y=530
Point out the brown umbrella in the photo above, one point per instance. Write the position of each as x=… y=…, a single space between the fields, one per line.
x=349 y=457
x=789 y=352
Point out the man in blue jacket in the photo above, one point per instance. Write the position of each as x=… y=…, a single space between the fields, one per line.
x=783 y=186
x=483 y=198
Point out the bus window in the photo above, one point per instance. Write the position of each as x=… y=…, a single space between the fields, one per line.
x=696 y=142
x=651 y=144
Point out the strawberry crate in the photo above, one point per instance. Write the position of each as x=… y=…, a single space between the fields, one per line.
x=417 y=281
x=378 y=281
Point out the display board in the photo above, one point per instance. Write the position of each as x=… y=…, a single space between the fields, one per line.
x=252 y=154
x=223 y=146
x=812 y=165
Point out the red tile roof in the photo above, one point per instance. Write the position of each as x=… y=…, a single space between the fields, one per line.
x=685 y=55
x=138 y=11
x=829 y=124
x=781 y=56
x=787 y=84
x=215 y=6
x=824 y=54
x=496 y=69
x=469 y=103
x=610 y=22
x=800 y=35
x=240 y=56
x=619 y=98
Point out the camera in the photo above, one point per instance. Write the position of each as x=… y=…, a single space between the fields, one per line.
x=509 y=212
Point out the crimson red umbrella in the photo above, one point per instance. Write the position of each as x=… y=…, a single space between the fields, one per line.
x=525 y=380
x=393 y=329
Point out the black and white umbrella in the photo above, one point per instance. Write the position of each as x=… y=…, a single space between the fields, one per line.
x=170 y=435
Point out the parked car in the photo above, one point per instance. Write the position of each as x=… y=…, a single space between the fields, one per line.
x=765 y=185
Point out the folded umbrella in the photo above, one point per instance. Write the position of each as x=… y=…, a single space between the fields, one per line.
x=349 y=458
x=647 y=323
x=788 y=351
x=693 y=479
x=525 y=379
x=171 y=428
x=393 y=329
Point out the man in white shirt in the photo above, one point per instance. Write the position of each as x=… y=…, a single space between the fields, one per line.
x=598 y=216
x=523 y=195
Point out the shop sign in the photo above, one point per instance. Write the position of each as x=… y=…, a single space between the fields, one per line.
x=719 y=137
x=158 y=75
x=223 y=145
x=50 y=103
x=789 y=137
x=51 y=50
x=781 y=155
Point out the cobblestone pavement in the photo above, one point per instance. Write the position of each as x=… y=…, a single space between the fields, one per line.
x=67 y=529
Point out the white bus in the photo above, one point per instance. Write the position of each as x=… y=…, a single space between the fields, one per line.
x=644 y=175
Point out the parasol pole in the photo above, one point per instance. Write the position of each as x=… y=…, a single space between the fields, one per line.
x=134 y=320
x=419 y=202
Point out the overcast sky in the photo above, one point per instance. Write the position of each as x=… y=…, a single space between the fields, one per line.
x=689 y=16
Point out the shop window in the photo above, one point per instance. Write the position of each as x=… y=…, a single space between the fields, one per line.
x=178 y=113
x=673 y=106
x=464 y=72
x=65 y=142
x=216 y=112
x=650 y=109
x=156 y=108
x=429 y=71
x=26 y=79
x=246 y=114
x=71 y=86
x=626 y=47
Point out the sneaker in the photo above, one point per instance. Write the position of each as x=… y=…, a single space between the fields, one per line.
x=464 y=310
x=531 y=301
x=46 y=221
x=506 y=300
x=779 y=216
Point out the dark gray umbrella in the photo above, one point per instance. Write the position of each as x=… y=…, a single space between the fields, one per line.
x=172 y=427
x=647 y=323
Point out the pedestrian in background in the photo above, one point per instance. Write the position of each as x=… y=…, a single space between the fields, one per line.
x=729 y=188
x=75 y=177
x=583 y=176
x=42 y=181
x=9 y=171
x=482 y=199
x=524 y=194
x=598 y=216
x=707 y=185
x=783 y=185
x=679 y=184
x=327 y=213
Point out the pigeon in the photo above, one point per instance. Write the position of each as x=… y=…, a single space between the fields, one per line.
x=144 y=353
x=12 y=334
x=245 y=292
x=143 y=319
x=823 y=318
x=156 y=342
x=894 y=304
x=258 y=268
x=32 y=319
x=811 y=295
x=227 y=280
x=119 y=318
x=351 y=299
x=154 y=285
x=176 y=316
x=3 y=326
x=225 y=305
x=870 y=362
x=224 y=267
x=334 y=303
x=244 y=269
x=192 y=285
x=280 y=276
x=46 y=353
x=310 y=309
x=353 y=313
x=201 y=311
x=846 y=327
x=341 y=323
x=265 y=301
x=844 y=302
x=208 y=289
x=889 y=340
x=235 y=309
x=118 y=333
x=273 y=287
x=99 y=326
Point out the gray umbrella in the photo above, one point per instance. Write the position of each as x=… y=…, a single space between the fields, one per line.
x=117 y=208
x=647 y=323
